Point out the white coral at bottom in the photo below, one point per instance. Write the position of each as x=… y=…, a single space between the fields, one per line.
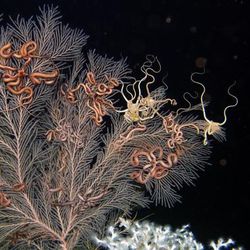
x=135 y=235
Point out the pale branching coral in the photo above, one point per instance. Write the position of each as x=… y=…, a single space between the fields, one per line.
x=133 y=235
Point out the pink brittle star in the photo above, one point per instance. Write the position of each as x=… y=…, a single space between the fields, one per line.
x=14 y=78
x=156 y=168
x=177 y=137
x=97 y=92
x=129 y=133
x=89 y=201
x=99 y=106
x=168 y=123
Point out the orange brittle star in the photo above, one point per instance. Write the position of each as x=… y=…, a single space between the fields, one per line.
x=156 y=167
x=14 y=77
x=97 y=93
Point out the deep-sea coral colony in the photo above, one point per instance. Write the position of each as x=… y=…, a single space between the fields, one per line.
x=132 y=235
x=57 y=185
